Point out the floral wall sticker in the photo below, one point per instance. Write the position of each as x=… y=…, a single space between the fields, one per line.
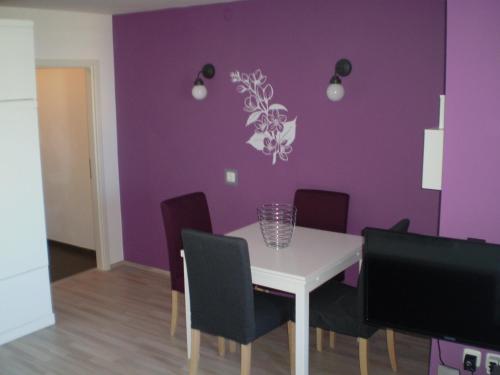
x=273 y=134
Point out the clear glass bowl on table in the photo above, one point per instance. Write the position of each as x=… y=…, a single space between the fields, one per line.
x=277 y=223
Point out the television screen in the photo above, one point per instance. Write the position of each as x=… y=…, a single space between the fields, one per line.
x=441 y=287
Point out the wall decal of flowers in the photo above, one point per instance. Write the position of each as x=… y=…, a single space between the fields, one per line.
x=273 y=134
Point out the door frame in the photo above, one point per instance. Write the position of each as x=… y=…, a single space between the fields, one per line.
x=95 y=153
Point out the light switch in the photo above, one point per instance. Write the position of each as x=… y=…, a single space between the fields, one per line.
x=231 y=176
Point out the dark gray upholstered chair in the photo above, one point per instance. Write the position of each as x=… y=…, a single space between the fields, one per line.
x=186 y=211
x=223 y=301
x=325 y=210
x=338 y=307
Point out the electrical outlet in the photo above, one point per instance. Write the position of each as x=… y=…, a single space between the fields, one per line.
x=491 y=358
x=443 y=370
x=469 y=354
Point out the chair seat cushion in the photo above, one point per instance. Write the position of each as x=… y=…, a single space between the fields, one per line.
x=334 y=307
x=271 y=311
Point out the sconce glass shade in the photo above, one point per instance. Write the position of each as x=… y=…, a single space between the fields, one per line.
x=335 y=92
x=199 y=91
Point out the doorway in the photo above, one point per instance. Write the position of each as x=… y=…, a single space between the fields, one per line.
x=65 y=124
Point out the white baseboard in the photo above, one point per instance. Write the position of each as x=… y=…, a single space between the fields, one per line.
x=26 y=329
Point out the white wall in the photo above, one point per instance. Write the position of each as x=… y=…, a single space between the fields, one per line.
x=63 y=110
x=84 y=36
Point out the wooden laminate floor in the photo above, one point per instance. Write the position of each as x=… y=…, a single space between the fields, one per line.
x=117 y=322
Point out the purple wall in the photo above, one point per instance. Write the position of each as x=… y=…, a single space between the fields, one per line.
x=369 y=144
x=471 y=182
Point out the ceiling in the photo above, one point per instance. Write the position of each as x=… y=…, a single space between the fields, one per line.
x=107 y=6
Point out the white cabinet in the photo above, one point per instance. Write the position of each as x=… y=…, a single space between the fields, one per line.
x=22 y=222
x=433 y=159
x=432 y=169
x=17 y=60
x=26 y=305
x=24 y=283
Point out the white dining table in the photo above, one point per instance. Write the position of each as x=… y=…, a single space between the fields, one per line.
x=313 y=257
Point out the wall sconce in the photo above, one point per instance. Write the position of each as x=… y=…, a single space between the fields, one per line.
x=199 y=90
x=335 y=90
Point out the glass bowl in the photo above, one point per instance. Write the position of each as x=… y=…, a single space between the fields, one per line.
x=277 y=222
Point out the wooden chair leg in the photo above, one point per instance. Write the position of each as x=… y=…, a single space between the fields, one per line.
x=232 y=346
x=332 y=340
x=195 y=352
x=221 y=344
x=246 y=359
x=291 y=345
x=363 y=355
x=174 y=312
x=391 y=348
x=319 y=339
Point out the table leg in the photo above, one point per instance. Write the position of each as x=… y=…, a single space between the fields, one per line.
x=188 y=309
x=302 y=333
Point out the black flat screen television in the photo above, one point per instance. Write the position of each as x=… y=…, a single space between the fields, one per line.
x=441 y=287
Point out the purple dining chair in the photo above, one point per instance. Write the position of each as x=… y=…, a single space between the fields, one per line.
x=185 y=212
x=321 y=209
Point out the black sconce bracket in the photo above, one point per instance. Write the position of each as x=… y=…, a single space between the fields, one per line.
x=208 y=71
x=343 y=67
